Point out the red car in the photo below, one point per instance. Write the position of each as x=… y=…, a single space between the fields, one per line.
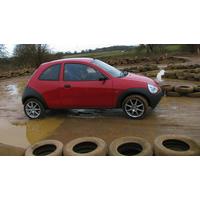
x=88 y=83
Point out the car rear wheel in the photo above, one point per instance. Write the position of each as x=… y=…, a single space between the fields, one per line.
x=34 y=109
x=135 y=106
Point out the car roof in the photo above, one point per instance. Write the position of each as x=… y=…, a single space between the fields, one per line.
x=84 y=60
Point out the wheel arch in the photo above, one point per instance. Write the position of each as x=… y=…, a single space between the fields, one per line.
x=142 y=92
x=30 y=93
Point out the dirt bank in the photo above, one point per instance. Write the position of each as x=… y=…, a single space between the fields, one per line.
x=173 y=115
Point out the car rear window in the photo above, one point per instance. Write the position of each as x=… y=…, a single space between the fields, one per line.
x=51 y=73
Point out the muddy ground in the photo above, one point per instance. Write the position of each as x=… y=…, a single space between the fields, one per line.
x=174 y=115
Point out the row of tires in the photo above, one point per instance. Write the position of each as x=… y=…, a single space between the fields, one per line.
x=183 y=75
x=181 y=90
x=141 y=69
x=189 y=67
x=165 y=145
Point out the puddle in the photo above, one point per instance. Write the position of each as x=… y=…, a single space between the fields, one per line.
x=12 y=89
x=13 y=135
x=37 y=130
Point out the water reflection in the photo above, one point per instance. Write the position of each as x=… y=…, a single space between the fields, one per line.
x=37 y=130
x=12 y=89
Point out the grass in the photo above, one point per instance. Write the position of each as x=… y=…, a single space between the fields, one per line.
x=171 y=49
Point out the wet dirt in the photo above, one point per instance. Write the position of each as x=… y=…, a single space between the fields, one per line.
x=174 y=115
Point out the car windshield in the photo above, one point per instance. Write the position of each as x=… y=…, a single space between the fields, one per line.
x=110 y=69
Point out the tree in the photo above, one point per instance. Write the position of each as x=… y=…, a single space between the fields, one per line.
x=31 y=54
x=194 y=48
x=3 y=51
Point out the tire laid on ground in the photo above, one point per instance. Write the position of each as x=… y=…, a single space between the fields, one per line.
x=86 y=146
x=182 y=77
x=9 y=150
x=175 y=145
x=130 y=146
x=197 y=88
x=167 y=88
x=45 y=148
x=173 y=94
x=194 y=95
x=184 y=89
x=34 y=109
x=135 y=106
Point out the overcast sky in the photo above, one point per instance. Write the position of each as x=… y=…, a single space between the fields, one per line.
x=71 y=47
x=78 y=25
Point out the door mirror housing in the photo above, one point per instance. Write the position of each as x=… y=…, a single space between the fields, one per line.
x=103 y=78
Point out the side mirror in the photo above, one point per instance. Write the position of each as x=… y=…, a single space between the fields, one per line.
x=103 y=78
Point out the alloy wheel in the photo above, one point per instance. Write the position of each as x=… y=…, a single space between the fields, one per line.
x=134 y=107
x=33 y=109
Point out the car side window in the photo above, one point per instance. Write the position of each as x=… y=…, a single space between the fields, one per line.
x=80 y=72
x=51 y=73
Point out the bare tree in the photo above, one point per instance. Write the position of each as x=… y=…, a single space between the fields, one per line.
x=3 y=51
x=31 y=54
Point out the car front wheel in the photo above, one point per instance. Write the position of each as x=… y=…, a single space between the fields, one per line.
x=34 y=109
x=135 y=106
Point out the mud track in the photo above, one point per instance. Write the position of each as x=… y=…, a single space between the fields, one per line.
x=172 y=116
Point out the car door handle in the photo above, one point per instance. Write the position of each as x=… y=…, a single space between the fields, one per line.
x=67 y=86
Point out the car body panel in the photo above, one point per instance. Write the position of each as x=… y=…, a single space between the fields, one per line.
x=89 y=94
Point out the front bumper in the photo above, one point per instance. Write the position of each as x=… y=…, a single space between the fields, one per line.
x=154 y=99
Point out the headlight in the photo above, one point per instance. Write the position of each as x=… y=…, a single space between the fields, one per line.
x=153 y=89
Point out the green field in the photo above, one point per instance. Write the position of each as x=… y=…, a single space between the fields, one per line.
x=128 y=53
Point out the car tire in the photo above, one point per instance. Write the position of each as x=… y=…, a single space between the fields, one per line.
x=45 y=148
x=86 y=146
x=184 y=89
x=139 y=103
x=9 y=150
x=29 y=104
x=194 y=95
x=197 y=88
x=130 y=146
x=167 y=88
x=175 y=145
x=173 y=94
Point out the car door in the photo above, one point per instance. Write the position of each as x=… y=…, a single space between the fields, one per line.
x=84 y=87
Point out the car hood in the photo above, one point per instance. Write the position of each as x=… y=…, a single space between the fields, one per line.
x=139 y=78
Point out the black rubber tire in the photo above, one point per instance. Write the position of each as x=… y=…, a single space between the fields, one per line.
x=194 y=95
x=197 y=88
x=173 y=94
x=41 y=107
x=167 y=88
x=86 y=146
x=9 y=150
x=45 y=148
x=145 y=103
x=175 y=145
x=182 y=77
x=130 y=146
x=184 y=89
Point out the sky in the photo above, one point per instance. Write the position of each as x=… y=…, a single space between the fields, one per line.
x=70 y=47
x=53 y=47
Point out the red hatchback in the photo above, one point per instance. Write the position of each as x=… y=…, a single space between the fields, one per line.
x=88 y=83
